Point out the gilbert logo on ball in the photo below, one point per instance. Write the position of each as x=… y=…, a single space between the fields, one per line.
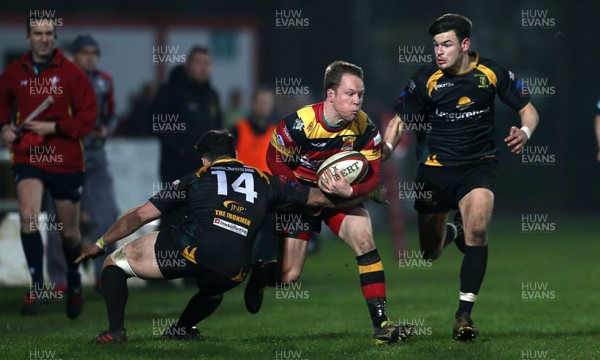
x=352 y=164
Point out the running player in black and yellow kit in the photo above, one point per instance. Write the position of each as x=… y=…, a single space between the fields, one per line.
x=457 y=155
x=226 y=202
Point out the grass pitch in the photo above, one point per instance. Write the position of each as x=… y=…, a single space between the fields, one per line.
x=540 y=300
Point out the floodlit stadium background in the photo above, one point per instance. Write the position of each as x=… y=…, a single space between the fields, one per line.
x=257 y=43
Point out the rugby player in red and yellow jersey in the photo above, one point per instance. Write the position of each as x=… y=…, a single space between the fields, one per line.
x=300 y=143
x=47 y=151
x=454 y=99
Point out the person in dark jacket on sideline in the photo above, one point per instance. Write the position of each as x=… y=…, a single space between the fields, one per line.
x=187 y=105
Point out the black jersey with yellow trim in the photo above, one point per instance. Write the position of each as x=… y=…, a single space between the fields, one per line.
x=304 y=140
x=226 y=203
x=453 y=115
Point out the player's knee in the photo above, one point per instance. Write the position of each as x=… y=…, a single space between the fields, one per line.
x=71 y=237
x=477 y=237
x=28 y=220
x=108 y=262
x=362 y=242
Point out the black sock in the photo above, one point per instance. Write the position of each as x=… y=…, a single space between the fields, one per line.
x=372 y=282
x=472 y=272
x=73 y=275
x=198 y=308
x=34 y=254
x=268 y=274
x=377 y=311
x=114 y=289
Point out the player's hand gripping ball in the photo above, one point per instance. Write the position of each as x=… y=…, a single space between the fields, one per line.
x=352 y=164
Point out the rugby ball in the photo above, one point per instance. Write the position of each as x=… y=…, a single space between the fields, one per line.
x=352 y=164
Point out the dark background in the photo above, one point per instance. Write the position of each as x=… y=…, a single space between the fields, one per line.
x=368 y=33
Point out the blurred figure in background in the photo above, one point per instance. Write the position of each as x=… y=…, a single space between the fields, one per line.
x=135 y=123
x=252 y=135
x=98 y=203
x=185 y=107
x=233 y=111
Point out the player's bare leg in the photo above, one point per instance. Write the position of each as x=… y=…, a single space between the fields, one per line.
x=67 y=213
x=29 y=192
x=432 y=232
x=291 y=254
x=140 y=257
x=476 y=208
x=356 y=231
x=136 y=258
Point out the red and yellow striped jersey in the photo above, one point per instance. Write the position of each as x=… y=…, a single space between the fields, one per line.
x=303 y=140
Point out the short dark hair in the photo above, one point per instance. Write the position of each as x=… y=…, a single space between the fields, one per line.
x=216 y=144
x=459 y=23
x=34 y=18
x=335 y=71
x=198 y=48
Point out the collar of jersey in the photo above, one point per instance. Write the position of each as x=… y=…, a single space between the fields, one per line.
x=225 y=160
x=475 y=63
x=203 y=168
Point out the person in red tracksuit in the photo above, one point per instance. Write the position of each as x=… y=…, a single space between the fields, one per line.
x=47 y=152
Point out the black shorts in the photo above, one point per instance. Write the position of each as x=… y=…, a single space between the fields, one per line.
x=173 y=260
x=443 y=187
x=62 y=186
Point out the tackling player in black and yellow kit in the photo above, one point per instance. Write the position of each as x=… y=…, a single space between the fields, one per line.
x=226 y=202
x=456 y=153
